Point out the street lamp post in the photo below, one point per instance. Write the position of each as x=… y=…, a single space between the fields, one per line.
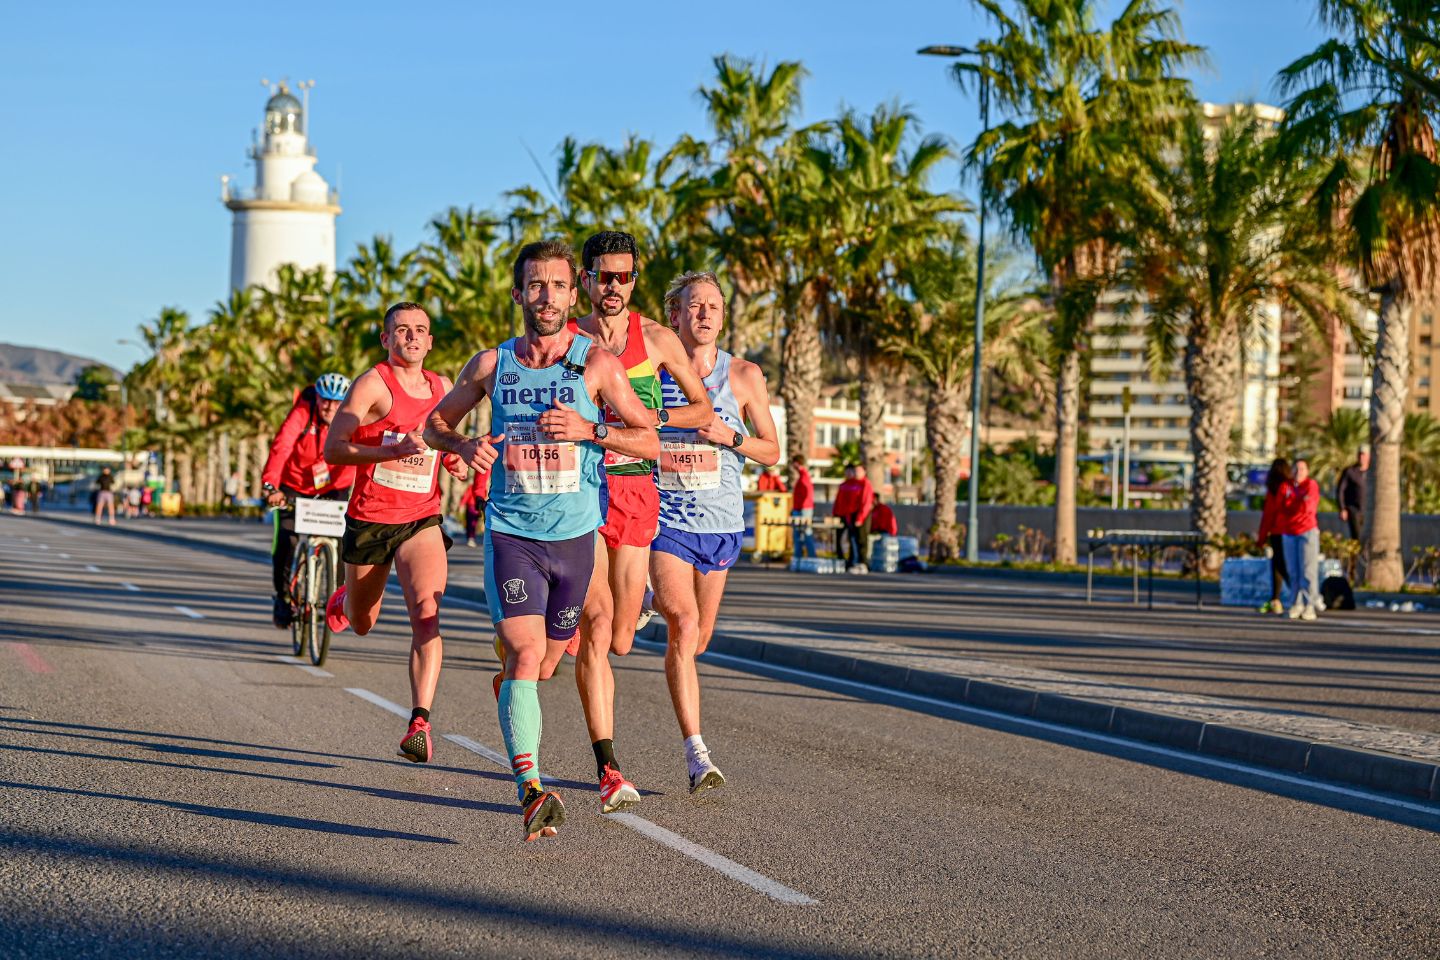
x=972 y=524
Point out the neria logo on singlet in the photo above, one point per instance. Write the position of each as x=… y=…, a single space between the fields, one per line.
x=543 y=395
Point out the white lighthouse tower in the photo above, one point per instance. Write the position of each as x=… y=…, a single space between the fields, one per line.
x=290 y=215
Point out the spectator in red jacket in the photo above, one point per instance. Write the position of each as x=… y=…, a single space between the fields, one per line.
x=802 y=507
x=1269 y=534
x=770 y=481
x=297 y=468
x=475 y=497
x=1300 y=499
x=853 y=503
x=882 y=519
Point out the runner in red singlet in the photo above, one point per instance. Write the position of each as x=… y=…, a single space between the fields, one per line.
x=630 y=503
x=394 y=513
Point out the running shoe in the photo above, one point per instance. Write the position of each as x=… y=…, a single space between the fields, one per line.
x=707 y=776
x=1308 y=614
x=416 y=745
x=495 y=682
x=282 y=615
x=1296 y=611
x=573 y=647
x=544 y=813
x=643 y=619
x=335 y=611
x=499 y=649
x=616 y=793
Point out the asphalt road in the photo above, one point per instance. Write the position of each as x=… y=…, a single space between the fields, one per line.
x=170 y=787
x=1366 y=665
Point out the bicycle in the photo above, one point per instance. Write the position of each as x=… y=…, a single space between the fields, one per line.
x=314 y=573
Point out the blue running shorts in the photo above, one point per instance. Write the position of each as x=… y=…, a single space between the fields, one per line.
x=706 y=552
x=542 y=578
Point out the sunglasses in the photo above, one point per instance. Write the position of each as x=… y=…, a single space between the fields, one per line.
x=603 y=277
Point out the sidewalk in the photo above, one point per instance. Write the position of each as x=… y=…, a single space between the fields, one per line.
x=1378 y=757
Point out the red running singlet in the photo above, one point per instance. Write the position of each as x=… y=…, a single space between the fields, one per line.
x=398 y=491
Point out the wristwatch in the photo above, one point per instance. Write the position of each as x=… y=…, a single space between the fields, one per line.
x=601 y=431
x=662 y=416
x=739 y=439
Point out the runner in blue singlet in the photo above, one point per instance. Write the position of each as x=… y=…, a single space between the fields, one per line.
x=702 y=517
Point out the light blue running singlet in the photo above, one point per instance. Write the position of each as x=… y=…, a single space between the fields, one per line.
x=699 y=482
x=541 y=489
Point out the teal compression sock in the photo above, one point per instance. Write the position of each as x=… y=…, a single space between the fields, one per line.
x=520 y=725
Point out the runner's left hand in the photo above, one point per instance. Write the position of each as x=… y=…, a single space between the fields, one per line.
x=455 y=465
x=565 y=423
x=717 y=431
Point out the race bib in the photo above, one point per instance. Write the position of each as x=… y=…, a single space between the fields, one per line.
x=534 y=464
x=687 y=465
x=412 y=474
x=321 y=473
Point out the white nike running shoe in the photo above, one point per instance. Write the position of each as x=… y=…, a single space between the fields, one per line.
x=705 y=776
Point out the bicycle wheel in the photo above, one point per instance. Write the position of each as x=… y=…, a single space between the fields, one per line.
x=322 y=581
x=299 y=585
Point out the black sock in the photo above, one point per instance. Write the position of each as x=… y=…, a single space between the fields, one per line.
x=604 y=753
x=419 y=713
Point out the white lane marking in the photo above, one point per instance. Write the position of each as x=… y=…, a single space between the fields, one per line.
x=756 y=881
x=43 y=546
x=1075 y=732
x=380 y=701
x=309 y=668
x=91 y=568
x=479 y=748
x=131 y=587
x=190 y=613
x=64 y=556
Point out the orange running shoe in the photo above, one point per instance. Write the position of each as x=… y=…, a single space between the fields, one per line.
x=416 y=745
x=544 y=813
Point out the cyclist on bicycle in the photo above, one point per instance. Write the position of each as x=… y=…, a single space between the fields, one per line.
x=297 y=468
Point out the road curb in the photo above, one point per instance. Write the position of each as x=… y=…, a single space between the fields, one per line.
x=1418 y=779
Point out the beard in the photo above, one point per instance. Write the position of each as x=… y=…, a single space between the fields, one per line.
x=611 y=308
x=543 y=326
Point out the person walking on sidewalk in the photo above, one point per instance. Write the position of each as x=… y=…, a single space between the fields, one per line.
x=1269 y=534
x=1298 y=522
x=702 y=516
x=394 y=515
x=853 y=503
x=802 y=507
x=1350 y=493
x=105 y=495
x=546 y=391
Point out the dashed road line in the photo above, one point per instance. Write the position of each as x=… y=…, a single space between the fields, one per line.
x=309 y=668
x=64 y=556
x=477 y=748
x=190 y=613
x=735 y=871
x=89 y=567
x=130 y=586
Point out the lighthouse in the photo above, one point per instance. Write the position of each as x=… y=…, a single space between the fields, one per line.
x=290 y=215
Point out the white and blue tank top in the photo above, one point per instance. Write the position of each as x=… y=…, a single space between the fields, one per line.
x=699 y=482
x=539 y=488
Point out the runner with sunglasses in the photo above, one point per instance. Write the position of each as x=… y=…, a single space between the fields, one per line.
x=630 y=504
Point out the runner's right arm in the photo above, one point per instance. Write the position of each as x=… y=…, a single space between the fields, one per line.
x=361 y=404
x=470 y=388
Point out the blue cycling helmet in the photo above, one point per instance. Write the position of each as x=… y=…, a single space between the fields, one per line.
x=332 y=386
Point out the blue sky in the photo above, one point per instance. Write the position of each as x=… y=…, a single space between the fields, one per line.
x=120 y=118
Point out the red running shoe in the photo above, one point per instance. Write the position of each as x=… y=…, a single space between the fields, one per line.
x=573 y=647
x=616 y=793
x=416 y=745
x=499 y=679
x=544 y=813
x=335 y=611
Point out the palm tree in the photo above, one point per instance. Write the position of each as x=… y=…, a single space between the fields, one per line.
x=1219 y=251
x=1420 y=461
x=937 y=340
x=1365 y=103
x=886 y=215
x=1330 y=446
x=1085 y=104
